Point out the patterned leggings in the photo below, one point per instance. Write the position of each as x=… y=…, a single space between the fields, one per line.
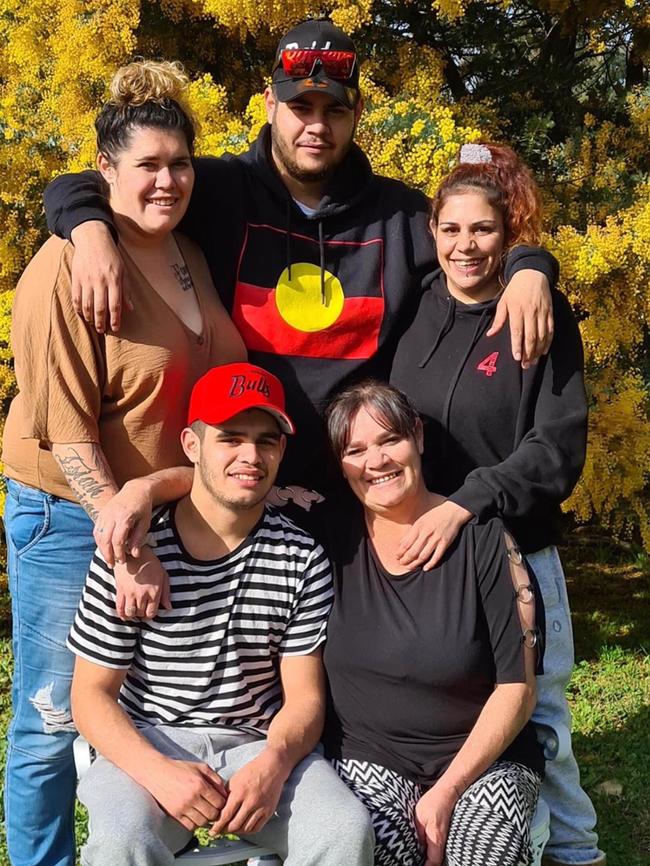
x=490 y=825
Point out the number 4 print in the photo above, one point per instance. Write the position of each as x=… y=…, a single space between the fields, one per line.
x=489 y=364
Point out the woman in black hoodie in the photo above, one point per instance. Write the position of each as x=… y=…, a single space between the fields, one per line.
x=501 y=440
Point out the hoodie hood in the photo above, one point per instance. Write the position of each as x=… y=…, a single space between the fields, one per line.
x=449 y=308
x=348 y=185
x=437 y=283
x=351 y=181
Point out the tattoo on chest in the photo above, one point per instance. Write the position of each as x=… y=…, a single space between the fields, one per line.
x=182 y=274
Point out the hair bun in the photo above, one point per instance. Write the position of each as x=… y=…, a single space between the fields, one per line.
x=149 y=81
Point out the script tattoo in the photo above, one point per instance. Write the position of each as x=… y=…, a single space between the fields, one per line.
x=87 y=481
x=182 y=274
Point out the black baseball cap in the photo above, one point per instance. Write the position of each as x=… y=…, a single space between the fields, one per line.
x=317 y=36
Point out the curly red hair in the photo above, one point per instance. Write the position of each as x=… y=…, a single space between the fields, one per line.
x=508 y=185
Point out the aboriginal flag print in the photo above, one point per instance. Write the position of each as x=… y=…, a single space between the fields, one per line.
x=287 y=314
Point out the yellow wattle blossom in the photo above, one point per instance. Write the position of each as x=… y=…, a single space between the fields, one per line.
x=255 y=15
x=450 y=9
x=618 y=455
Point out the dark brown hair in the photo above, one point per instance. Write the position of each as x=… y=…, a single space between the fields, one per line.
x=388 y=406
x=145 y=93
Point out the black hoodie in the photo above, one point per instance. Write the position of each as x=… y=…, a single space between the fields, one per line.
x=499 y=440
x=363 y=253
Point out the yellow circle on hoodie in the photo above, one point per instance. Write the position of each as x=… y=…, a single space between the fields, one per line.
x=300 y=300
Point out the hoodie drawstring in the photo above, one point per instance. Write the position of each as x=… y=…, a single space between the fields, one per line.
x=478 y=333
x=321 y=250
x=444 y=329
x=288 y=238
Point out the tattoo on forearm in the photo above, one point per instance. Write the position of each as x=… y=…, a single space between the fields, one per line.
x=88 y=479
x=183 y=276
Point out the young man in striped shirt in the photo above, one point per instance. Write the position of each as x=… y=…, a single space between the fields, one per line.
x=208 y=713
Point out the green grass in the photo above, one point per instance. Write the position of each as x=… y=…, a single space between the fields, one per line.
x=609 y=587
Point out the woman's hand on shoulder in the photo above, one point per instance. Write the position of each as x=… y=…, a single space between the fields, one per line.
x=425 y=543
x=433 y=813
x=142 y=586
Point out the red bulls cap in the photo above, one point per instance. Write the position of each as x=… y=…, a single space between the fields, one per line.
x=225 y=391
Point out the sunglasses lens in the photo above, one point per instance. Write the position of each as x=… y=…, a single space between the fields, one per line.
x=300 y=62
x=297 y=63
x=339 y=64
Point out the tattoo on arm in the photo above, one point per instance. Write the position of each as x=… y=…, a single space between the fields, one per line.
x=88 y=477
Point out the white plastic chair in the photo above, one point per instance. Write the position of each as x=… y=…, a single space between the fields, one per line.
x=540 y=830
x=556 y=742
x=222 y=852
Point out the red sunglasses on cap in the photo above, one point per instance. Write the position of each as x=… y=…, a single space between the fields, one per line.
x=300 y=62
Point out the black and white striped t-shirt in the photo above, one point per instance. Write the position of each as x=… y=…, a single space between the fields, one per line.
x=212 y=659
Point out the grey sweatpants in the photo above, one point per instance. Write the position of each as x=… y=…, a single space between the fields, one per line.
x=319 y=820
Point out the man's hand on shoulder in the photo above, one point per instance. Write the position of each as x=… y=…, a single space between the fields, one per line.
x=190 y=792
x=253 y=795
x=526 y=303
x=98 y=290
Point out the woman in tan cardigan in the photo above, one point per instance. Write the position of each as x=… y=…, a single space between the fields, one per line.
x=93 y=411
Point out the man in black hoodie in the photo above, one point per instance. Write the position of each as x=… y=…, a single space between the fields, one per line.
x=318 y=259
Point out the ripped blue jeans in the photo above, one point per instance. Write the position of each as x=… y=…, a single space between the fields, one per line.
x=49 y=547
